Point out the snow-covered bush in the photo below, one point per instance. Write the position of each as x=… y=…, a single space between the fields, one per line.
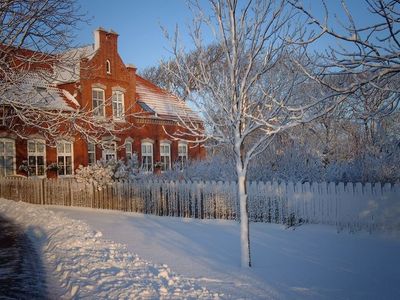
x=217 y=168
x=104 y=172
x=296 y=163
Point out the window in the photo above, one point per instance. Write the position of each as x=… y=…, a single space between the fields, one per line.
x=165 y=156
x=36 y=158
x=64 y=158
x=118 y=105
x=128 y=150
x=108 y=67
x=98 y=102
x=182 y=154
x=7 y=157
x=110 y=151
x=147 y=157
x=91 y=154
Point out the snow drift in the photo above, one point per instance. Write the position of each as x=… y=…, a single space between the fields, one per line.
x=88 y=266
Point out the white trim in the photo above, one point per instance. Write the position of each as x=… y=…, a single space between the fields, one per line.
x=108 y=66
x=167 y=146
x=147 y=140
x=65 y=154
x=118 y=89
x=128 y=152
x=99 y=86
x=165 y=142
x=95 y=89
x=91 y=152
x=109 y=148
x=4 y=154
x=183 y=162
x=118 y=98
x=36 y=154
x=148 y=154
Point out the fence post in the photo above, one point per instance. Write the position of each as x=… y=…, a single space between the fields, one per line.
x=43 y=198
x=71 y=196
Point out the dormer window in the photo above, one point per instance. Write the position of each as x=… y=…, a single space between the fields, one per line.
x=108 y=67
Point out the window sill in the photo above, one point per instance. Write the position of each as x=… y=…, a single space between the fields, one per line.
x=119 y=120
x=100 y=118
x=65 y=176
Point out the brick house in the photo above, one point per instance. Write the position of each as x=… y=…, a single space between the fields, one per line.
x=146 y=115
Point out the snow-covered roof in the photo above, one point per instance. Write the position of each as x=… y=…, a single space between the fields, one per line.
x=161 y=102
x=69 y=69
x=34 y=91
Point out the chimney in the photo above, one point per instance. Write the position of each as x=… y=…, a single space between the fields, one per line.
x=103 y=37
x=131 y=68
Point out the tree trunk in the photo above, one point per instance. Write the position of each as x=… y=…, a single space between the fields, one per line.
x=244 y=217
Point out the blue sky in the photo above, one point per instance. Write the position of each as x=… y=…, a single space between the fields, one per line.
x=138 y=23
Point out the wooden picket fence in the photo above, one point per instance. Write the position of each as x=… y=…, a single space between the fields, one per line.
x=353 y=206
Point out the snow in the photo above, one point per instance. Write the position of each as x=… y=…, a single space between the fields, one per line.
x=101 y=259
x=162 y=102
x=89 y=266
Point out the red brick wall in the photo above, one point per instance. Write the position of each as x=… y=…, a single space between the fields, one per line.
x=94 y=72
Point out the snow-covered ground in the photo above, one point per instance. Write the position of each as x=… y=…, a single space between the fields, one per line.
x=86 y=265
x=310 y=262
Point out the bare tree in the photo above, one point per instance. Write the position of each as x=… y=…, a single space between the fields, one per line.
x=161 y=74
x=367 y=54
x=250 y=94
x=36 y=41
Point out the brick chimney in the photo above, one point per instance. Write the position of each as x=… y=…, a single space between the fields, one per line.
x=104 y=38
x=131 y=68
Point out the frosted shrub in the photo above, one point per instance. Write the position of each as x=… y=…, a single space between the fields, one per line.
x=103 y=172
x=217 y=168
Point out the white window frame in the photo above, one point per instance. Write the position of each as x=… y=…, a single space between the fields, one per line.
x=91 y=149
x=128 y=149
x=62 y=152
x=4 y=154
x=182 y=155
x=147 y=164
x=110 y=151
x=99 y=108
x=108 y=67
x=165 y=155
x=118 y=107
x=36 y=153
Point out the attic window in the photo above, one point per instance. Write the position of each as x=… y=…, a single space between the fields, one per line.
x=108 y=67
x=145 y=107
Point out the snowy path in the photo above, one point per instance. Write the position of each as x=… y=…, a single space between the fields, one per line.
x=311 y=262
x=89 y=266
x=22 y=274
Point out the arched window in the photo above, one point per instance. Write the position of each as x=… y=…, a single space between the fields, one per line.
x=108 y=67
